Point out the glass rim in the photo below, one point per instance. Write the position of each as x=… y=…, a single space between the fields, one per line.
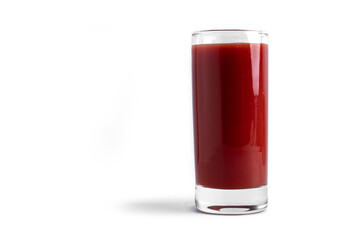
x=195 y=33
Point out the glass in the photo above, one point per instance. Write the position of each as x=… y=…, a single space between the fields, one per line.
x=230 y=98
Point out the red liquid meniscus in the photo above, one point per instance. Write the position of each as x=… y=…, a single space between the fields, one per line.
x=230 y=114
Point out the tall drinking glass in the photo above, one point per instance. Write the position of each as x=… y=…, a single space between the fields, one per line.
x=230 y=99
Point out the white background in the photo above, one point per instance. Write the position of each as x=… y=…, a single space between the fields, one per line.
x=96 y=120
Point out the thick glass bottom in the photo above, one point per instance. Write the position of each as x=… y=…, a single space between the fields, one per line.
x=231 y=201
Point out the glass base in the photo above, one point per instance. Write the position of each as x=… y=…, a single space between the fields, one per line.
x=231 y=201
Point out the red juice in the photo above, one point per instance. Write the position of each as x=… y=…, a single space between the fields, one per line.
x=230 y=114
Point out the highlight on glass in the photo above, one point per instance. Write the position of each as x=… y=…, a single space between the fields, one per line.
x=230 y=107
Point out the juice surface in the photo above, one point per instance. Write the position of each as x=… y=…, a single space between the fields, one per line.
x=230 y=114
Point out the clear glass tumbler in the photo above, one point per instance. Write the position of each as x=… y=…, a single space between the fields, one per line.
x=230 y=99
